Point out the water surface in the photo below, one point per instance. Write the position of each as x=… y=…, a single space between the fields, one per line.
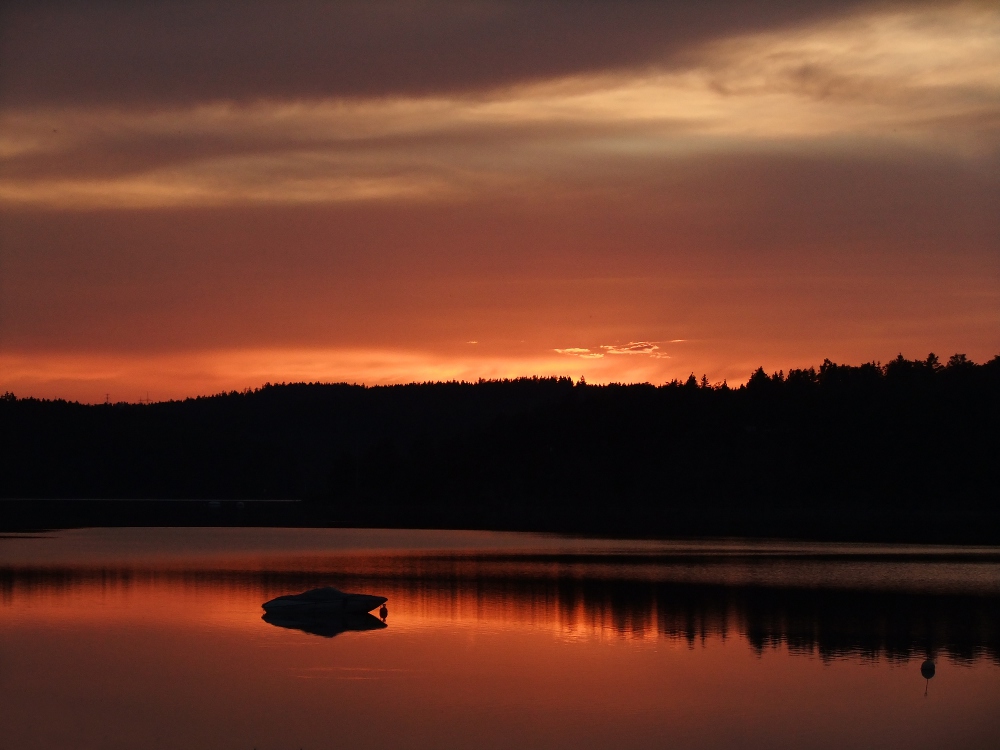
x=153 y=638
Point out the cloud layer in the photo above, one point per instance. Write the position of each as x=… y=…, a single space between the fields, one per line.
x=927 y=80
x=186 y=51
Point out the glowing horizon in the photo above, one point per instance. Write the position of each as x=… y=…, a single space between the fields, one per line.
x=765 y=190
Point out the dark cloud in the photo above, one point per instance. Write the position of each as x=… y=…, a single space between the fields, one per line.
x=156 y=52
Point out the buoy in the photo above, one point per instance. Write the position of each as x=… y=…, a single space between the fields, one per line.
x=927 y=671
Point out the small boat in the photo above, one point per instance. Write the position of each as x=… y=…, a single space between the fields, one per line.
x=324 y=600
x=324 y=624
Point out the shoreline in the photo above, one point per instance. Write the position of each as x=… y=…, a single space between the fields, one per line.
x=845 y=524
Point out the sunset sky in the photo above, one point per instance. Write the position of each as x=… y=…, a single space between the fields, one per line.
x=201 y=196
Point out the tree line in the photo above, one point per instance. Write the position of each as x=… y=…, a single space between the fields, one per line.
x=909 y=436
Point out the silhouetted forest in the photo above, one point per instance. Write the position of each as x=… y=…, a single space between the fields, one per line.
x=905 y=449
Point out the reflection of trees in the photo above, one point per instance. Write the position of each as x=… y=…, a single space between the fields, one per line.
x=872 y=624
x=828 y=623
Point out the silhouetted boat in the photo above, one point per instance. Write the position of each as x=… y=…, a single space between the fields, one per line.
x=322 y=601
x=324 y=624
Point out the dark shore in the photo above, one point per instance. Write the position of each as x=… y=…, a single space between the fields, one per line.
x=903 y=452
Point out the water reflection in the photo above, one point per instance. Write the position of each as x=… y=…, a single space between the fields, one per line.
x=326 y=625
x=112 y=641
x=828 y=622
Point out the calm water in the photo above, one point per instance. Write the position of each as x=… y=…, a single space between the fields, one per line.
x=153 y=638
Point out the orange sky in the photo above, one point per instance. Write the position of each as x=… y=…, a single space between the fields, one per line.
x=203 y=198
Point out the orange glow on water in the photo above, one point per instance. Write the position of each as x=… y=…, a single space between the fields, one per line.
x=117 y=638
x=163 y=664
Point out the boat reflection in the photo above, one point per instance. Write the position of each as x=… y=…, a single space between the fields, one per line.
x=530 y=650
x=326 y=625
x=830 y=604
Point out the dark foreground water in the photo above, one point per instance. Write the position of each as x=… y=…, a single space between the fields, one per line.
x=153 y=638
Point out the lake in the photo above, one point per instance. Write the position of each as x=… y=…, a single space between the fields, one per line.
x=154 y=638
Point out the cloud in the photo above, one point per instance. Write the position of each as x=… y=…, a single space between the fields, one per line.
x=186 y=52
x=925 y=79
x=633 y=347
x=579 y=352
x=648 y=348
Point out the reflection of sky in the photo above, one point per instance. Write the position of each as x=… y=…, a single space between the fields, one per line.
x=182 y=215
x=487 y=644
x=923 y=568
x=831 y=598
